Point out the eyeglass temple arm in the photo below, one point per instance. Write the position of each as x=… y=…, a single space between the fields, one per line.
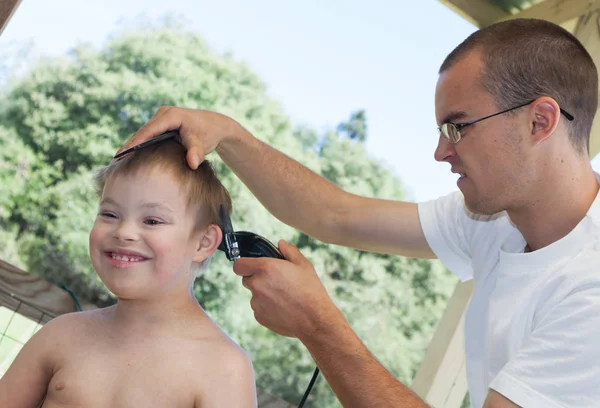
x=461 y=125
x=567 y=115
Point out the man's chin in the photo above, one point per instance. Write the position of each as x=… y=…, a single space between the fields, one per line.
x=481 y=206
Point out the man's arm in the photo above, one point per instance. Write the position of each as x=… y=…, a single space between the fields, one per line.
x=289 y=298
x=357 y=379
x=306 y=201
x=355 y=376
x=25 y=383
x=290 y=191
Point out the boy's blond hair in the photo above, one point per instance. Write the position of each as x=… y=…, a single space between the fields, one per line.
x=205 y=193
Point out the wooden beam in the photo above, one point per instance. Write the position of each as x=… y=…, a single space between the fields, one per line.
x=441 y=379
x=587 y=32
x=570 y=25
x=7 y=9
x=557 y=11
x=33 y=295
x=479 y=12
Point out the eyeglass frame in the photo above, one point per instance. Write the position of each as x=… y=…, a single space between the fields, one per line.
x=459 y=126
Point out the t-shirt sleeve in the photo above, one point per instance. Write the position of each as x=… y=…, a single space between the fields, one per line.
x=559 y=366
x=443 y=223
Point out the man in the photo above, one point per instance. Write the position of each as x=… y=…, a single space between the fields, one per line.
x=515 y=104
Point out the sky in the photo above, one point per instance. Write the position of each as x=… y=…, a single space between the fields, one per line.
x=321 y=60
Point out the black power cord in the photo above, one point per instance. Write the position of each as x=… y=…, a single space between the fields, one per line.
x=310 y=385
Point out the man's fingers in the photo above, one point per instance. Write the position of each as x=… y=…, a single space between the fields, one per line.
x=168 y=121
x=165 y=119
x=161 y=111
x=246 y=282
x=291 y=253
x=247 y=266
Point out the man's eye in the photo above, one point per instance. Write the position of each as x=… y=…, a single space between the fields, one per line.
x=462 y=130
x=152 y=222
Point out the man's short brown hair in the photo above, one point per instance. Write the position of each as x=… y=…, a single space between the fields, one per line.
x=205 y=193
x=528 y=58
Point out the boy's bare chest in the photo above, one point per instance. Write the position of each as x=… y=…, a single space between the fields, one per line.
x=156 y=376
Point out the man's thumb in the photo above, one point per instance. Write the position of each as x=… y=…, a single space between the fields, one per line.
x=194 y=157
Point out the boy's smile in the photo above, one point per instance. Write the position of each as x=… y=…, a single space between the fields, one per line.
x=143 y=227
x=123 y=258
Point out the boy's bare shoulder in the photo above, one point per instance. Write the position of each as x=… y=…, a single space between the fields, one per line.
x=222 y=365
x=214 y=346
x=73 y=326
x=42 y=356
x=68 y=334
x=64 y=325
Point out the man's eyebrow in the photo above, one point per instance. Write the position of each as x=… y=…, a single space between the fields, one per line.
x=453 y=117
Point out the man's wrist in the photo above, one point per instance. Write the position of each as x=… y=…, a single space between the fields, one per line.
x=233 y=136
x=325 y=325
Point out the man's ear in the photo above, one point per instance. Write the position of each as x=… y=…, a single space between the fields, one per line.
x=208 y=242
x=545 y=116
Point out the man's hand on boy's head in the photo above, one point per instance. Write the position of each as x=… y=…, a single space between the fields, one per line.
x=201 y=131
x=287 y=295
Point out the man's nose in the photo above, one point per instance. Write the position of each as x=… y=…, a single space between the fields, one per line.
x=444 y=150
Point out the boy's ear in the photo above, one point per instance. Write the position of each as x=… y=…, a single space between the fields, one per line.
x=208 y=242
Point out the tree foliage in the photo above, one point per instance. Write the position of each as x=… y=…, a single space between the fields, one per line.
x=67 y=116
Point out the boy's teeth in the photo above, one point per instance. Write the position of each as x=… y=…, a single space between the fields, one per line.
x=126 y=258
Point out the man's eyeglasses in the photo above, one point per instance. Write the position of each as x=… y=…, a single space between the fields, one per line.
x=451 y=131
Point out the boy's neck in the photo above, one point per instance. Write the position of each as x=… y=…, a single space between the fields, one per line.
x=161 y=313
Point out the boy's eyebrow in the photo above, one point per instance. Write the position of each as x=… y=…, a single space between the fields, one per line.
x=107 y=200
x=156 y=206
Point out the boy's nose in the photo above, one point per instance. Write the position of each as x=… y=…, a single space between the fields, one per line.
x=126 y=231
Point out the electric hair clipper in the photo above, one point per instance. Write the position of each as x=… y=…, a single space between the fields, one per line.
x=238 y=244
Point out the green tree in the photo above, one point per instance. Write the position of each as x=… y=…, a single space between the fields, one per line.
x=67 y=116
x=356 y=127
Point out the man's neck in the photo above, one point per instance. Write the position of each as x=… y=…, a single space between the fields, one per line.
x=556 y=212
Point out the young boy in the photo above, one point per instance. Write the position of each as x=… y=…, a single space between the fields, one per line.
x=156 y=227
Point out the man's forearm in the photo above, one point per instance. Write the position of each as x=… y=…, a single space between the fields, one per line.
x=290 y=191
x=355 y=376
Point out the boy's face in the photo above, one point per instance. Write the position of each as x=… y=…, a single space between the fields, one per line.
x=143 y=241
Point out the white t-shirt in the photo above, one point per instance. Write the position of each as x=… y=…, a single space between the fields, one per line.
x=532 y=328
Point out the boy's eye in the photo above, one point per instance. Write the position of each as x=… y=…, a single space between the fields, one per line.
x=107 y=215
x=152 y=222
